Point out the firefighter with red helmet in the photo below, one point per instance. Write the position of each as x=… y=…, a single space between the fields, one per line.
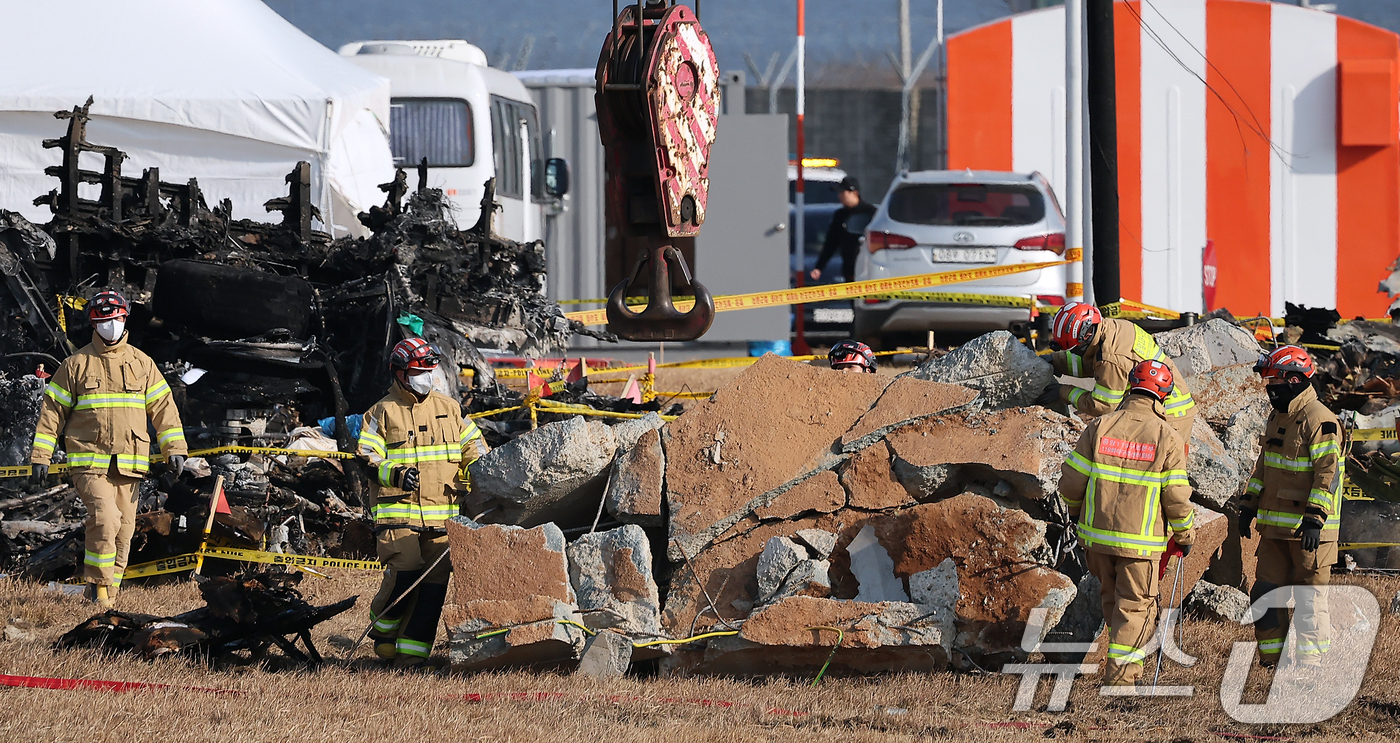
x=1294 y=494
x=104 y=400
x=850 y=355
x=1107 y=349
x=419 y=445
x=1125 y=484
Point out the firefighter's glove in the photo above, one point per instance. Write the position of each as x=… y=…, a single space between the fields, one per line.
x=1246 y=518
x=1310 y=532
x=37 y=473
x=407 y=478
x=177 y=464
x=1049 y=396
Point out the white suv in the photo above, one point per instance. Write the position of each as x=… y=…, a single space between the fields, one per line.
x=947 y=220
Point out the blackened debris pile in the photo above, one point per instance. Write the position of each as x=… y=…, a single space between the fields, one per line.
x=248 y=613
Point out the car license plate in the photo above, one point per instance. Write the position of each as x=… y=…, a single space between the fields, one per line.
x=963 y=255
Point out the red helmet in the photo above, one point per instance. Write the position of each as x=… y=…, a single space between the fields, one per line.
x=1074 y=325
x=413 y=355
x=108 y=305
x=1285 y=360
x=1152 y=377
x=852 y=352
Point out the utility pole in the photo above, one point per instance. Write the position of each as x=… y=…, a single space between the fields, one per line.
x=906 y=60
x=1074 y=150
x=799 y=231
x=1103 y=149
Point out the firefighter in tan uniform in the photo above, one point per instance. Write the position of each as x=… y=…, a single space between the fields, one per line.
x=418 y=444
x=1107 y=350
x=1125 y=483
x=101 y=400
x=1294 y=494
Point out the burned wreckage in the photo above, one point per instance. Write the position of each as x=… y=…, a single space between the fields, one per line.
x=269 y=334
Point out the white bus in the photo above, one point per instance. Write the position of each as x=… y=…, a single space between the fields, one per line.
x=444 y=102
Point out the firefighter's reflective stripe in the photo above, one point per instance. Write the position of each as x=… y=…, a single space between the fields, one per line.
x=417 y=454
x=99 y=559
x=157 y=391
x=168 y=435
x=382 y=624
x=44 y=442
x=1178 y=403
x=1289 y=520
x=1321 y=498
x=1075 y=394
x=1076 y=364
x=1095 y=470
x=133 y=462
x=408 y=510
x=1271 y=647
x=1313 y=648
x=1108 y=396
x=111 y=400
x=1255 y=485
x=369 y=440
x=59 y=395
x=1291 y=464
x=1317 y=451
x=116 y=579
x=413 y=647
x=1183 y=524
x=386 y=474
x=1126 y=653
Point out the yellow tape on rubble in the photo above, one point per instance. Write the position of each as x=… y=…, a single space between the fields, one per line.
x=728 y=362
x=828 y=292
x=1374 y=434
x=181 y=563
x=988 y=300
x=1128 y=309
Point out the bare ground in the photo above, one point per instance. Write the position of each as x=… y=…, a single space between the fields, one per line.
x=359 y=701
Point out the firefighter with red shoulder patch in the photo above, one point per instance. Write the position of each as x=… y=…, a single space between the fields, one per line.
x=1107 y=349
x=1125 y=484
x=419 y=444
x=1295 y=496
x=104 y=400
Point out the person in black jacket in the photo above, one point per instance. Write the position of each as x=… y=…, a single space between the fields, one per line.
x=838 y=237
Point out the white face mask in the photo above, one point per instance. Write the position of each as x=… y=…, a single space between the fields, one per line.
x=111 y=330
x=421 y=384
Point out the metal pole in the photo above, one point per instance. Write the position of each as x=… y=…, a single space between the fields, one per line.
x=910 y=81
x=800 y=202
x=1074 y=150
x=1103 y=148
x=906 y=51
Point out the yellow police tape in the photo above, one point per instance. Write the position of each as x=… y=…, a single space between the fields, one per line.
x=828 y=292
x=181 y=563
x=716 y=363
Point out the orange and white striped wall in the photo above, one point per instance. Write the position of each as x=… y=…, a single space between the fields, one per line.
x=1269 y=129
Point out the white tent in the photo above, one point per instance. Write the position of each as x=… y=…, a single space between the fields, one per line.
x=225 y=91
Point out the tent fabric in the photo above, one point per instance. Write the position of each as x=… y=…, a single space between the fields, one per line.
x=222 y=90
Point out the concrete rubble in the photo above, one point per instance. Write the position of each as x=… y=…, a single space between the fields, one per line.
x=1221 y=603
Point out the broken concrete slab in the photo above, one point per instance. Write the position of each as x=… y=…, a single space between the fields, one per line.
x=780 y=555
x=821 y=542
x=809 y=578
x=1081 y=623
x=606 y=655
x=870 y=482
x=1004 y=370
x=937 y=586
x=1199 y=348
x=820 y=493
x=554 y=473
x=787 y=637
x=730 y=450
x=510 y=577
x=634 y=488
x=1210 y=531
x=1021 y=446
x=1241 y=433
x=907 y=400
x=1222 y=392
x=1215 y=477
x=611 y=574
x=1221 y=603
x=630 y=431
x=873 y=569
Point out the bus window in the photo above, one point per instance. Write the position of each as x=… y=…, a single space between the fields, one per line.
x=438 y=129
x=505 y=138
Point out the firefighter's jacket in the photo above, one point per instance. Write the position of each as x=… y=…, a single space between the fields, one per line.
x=1297 y=471
x=1126 y=482
x=101 y=399
x=1117 y=347
x=399 y=432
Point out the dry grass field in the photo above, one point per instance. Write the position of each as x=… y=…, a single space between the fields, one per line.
x=359 y=701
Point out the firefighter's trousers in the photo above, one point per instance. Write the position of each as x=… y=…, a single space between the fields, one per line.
x=110 y=499
x=1128 y=588
x=1283 y=562
x=412 y=623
